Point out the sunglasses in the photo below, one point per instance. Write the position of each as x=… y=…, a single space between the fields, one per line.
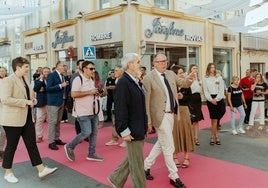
x=90 y=68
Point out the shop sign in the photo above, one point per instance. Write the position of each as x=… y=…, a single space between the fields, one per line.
x=38 y=47
x=101 y=36
x=62 y=38
x=196 y=38
x=161 y=28
x=28 y=45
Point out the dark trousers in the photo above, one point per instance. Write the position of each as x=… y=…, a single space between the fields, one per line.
x=13 y=134
x=248 y=109
x=65 y=114
x=110 y=101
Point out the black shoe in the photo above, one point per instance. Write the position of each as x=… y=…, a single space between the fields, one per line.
x=177 y=183
x=53 y=146
x=148 y=175
x=59 y=142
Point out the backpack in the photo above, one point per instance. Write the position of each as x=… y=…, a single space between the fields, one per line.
x=70 y=100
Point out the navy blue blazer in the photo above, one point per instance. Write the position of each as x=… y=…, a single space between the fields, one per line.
x=54 y=91
x=41 y=92
x=130 y=112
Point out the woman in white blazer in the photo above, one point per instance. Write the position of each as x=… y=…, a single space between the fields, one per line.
x=16 y=118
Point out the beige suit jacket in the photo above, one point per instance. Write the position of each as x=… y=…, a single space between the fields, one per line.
x=14 y=102
x=155 y=95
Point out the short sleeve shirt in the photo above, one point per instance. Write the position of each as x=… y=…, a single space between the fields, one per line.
x=83 y=106
x=259 y=87
x=236 y=96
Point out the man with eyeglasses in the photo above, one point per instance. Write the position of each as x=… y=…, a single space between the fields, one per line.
x=161 y=103
x=77 y=74
x=84 y=93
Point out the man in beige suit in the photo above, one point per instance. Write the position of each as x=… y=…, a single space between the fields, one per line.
x=161 y=102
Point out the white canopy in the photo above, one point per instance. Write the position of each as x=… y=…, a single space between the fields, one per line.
x=245 y=16
x=9 y=11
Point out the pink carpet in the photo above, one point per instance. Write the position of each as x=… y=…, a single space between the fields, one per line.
x=203 y=171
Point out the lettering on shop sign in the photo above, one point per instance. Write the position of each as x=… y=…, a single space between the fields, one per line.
x=101 y=36
x=28 y=45
x=38 y=47
x=62 y=38
x=196 y=38
x=161 y=28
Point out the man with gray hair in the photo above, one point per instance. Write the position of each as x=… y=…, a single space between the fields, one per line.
x=130 y=123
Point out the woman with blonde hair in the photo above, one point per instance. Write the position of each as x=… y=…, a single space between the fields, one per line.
x=213 y=86
x=236 y=102
x=259 y=89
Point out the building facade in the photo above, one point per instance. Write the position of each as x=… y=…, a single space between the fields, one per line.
x=113 y=28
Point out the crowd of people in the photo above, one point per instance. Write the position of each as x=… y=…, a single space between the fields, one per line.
x=137 y=103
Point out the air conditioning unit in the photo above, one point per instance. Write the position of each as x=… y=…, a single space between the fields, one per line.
x=228 y=37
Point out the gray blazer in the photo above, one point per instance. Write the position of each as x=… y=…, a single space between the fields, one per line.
x=155 y=95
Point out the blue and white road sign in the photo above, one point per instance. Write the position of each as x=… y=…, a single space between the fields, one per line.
x=89 y=52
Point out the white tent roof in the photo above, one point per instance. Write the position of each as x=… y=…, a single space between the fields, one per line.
x=245 y=16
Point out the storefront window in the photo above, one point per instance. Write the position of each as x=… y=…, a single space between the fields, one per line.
x=104 y=4
x=112 y=53
x=223 y=60
x=259 y=66
x=182 y=56
x=67 y=11
x=70 y=62
x=193 y=55
x=164 y=4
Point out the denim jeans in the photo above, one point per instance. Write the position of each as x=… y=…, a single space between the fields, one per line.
x=89 y=128
x=241 y=119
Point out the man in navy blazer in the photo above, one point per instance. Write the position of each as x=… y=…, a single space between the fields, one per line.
x=41 y=106
x=56 y=86
x=130 y=123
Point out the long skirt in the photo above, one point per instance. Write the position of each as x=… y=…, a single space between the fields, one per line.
x=183 y=134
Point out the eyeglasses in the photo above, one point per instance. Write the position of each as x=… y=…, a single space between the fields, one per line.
x=90 y=68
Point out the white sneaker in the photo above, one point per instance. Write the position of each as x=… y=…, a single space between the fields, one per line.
x=123 y=144
x=47 y=171
x=241 y=131
x=234 y=132
x=11 y=178
x=111 y=143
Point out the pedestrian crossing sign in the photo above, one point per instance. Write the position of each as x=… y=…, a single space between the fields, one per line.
x=89 y=53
